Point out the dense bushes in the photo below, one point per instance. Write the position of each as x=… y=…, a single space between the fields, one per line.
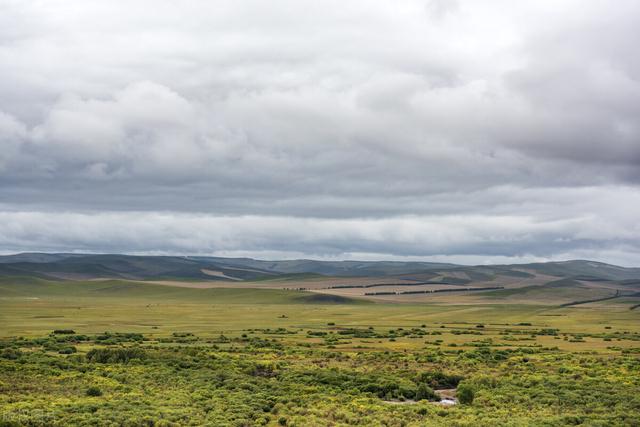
x=115 y=355
x=10 y=353
x=64 y=331
x=384 y=386
x=439 y=380
x=239 y=382
x=425 y=392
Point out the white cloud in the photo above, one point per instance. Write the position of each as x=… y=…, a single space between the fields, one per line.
x=366 y=127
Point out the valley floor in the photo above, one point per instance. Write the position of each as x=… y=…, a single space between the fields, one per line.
x=125 y=354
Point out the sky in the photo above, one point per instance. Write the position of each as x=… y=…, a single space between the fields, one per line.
x=470 y=131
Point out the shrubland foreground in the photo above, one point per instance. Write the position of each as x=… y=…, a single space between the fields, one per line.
x=123 y=353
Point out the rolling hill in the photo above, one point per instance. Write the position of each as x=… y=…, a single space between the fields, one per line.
x=135 y=267
x=553 y=282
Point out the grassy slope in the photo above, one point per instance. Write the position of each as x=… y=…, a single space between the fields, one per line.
x=35 y=307
x=555 y=292
x=121 y=289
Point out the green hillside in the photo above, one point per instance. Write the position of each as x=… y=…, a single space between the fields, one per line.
x=127 y=290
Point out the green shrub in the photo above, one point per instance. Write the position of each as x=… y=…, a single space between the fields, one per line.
x=465 y=395
x=425 y=392
x=438 y=379
x=64 y=331
x=94 y=391
x=10 y=353
x=67 y=350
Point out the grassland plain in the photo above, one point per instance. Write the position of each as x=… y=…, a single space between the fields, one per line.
x=128 y=353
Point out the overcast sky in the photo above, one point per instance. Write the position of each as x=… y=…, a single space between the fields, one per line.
x=460 y=130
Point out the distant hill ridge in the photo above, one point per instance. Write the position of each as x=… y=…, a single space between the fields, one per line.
x=68 y=266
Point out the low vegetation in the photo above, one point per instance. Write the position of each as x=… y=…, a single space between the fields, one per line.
x=225 y=357
x=261 y=378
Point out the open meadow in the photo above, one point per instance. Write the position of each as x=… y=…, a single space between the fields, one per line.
x=128 y=353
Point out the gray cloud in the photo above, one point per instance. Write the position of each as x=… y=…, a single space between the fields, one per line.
x=421 y=128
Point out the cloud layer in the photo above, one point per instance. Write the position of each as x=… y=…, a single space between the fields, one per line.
x=455 y=129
